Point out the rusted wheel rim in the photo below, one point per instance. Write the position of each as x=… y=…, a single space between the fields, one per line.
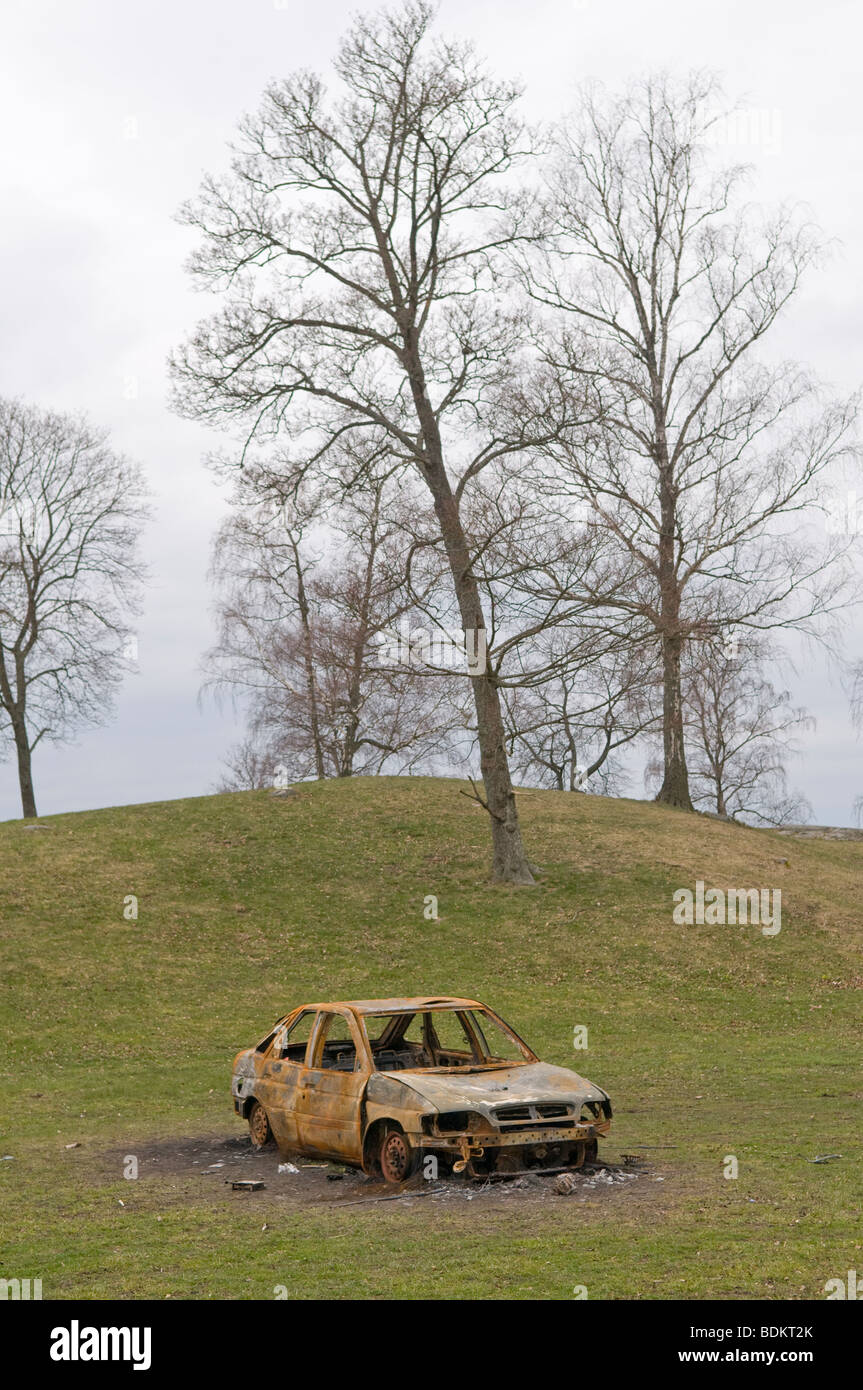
x=259 y=1125
x=394 y=1157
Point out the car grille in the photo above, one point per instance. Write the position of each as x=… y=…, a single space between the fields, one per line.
x=534 y=1115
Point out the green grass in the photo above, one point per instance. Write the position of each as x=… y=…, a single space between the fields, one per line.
x=714 y=1039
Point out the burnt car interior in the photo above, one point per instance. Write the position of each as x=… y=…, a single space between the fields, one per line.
x=290 y=1044
x=439 y=1038
x=335 y=1049
x=406 y=1041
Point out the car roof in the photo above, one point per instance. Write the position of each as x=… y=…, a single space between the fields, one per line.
x=398 y=1006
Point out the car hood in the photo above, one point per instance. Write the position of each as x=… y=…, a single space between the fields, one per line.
x=537 y=1081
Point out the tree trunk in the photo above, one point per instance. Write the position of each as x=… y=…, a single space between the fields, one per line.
x=25 y=770
x=675 y=785
x=509 y=860
x=358 y=655
x=352 y=724
x=308 y=658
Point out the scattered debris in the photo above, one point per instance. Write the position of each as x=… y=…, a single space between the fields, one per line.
x=512 y=1183
x=76 y=1145
x=824 y=1158
x=634 y=1161
x=396 y=1197
x=293 y=1181
x=590 y=1175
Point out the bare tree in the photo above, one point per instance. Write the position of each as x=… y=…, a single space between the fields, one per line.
x=706 y=460
x=248 y=767
x=564 y=730
x=355 y=241
x=740 y=732
x=70 y=514
x=310 y=589
x=265 y=650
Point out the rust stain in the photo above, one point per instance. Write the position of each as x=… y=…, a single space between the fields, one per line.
x=386 y=1084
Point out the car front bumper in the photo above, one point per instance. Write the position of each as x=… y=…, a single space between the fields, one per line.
x=473 y=1144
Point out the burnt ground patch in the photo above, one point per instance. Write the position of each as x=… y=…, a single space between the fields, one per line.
x=205 y=1166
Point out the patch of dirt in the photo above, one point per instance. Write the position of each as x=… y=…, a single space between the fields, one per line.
x=302 y=1181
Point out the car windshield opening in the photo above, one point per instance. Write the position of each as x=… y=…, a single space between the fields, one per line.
x=440 y=1039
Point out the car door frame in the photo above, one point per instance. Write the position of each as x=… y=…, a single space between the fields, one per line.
x=329 y=1106
x=279 y=1079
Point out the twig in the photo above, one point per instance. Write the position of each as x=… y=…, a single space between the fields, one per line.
x=477 y=797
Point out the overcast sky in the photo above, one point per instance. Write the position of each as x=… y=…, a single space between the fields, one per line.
x=110 y=114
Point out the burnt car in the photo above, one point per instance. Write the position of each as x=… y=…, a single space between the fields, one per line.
x=382 y=1084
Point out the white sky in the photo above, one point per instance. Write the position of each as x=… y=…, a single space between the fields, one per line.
x=110 y=113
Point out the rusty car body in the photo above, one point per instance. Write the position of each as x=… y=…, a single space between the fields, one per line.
x=383 y=1084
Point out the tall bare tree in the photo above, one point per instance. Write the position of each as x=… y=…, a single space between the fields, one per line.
x=740 y=730
x=264 y=655
x=663 y=285
x=310 y=589
x=70 y=514
x=356 y=242
x=564 y=729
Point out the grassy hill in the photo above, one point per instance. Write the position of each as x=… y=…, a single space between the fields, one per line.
x=712 y=1040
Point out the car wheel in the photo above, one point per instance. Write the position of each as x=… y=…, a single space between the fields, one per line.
x=259 y=1126
x=396 y=1158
